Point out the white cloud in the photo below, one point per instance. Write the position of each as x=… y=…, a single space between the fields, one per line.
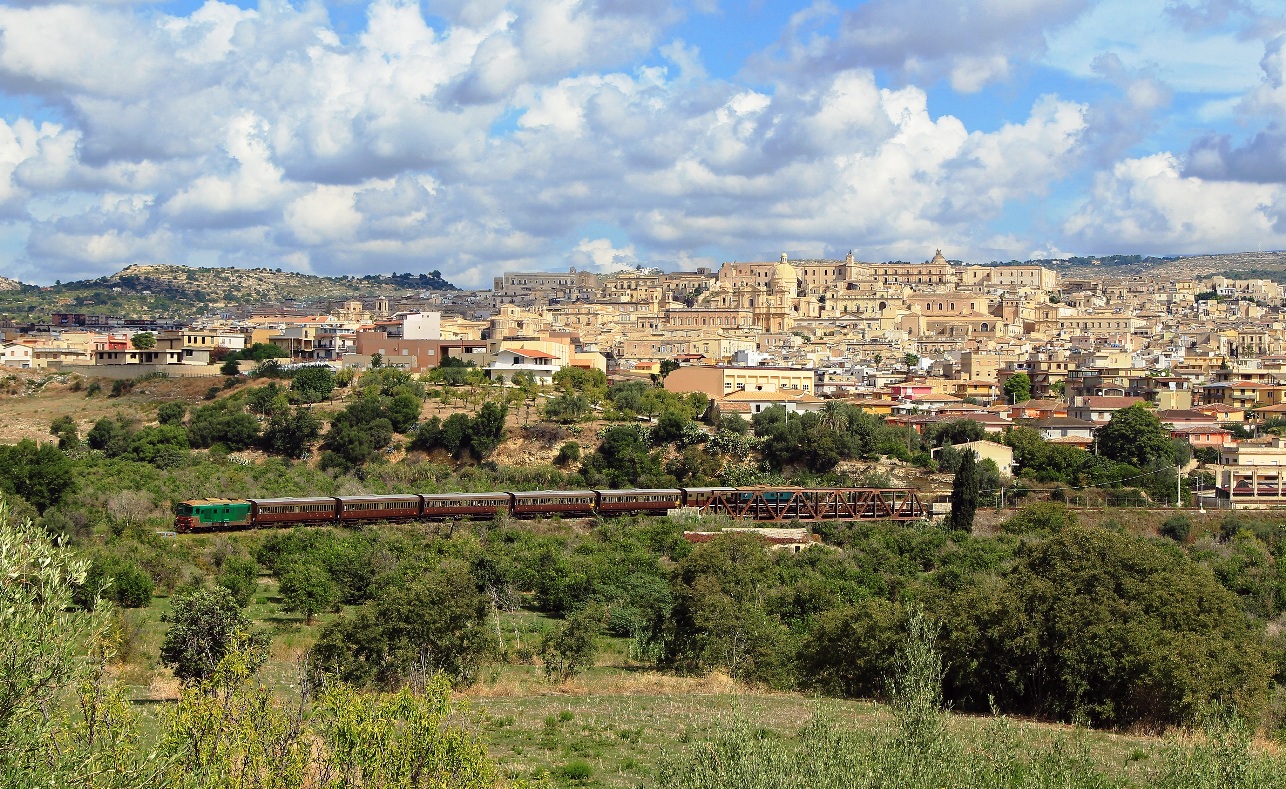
x=488 y=140
x=1148 y=205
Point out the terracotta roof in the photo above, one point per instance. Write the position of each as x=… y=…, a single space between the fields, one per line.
x=531 y=353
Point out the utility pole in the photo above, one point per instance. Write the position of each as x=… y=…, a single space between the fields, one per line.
x=1178 y=486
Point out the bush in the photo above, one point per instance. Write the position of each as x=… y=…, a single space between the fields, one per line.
x=575 y=770
x=567 y=453
x=1177 y=528
x=570 y=649
x=131 y=587
x=1043 y=517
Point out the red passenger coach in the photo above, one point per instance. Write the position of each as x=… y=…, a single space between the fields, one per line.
x=368 y=508
x=655 y=500
x=477 y=505
x=274 y=512
x=550 y=502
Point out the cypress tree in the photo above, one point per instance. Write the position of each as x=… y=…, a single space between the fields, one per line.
x=964 y=493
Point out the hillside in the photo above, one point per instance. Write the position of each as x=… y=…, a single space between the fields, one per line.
x=172 y=291
x=1237 y=265
x=9 y=284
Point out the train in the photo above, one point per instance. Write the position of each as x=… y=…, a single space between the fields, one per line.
x=752 y=503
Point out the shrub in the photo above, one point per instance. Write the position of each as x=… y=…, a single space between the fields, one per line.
x=1041 y=517
x=1177 y=528
x=567 y=453
x=575 y=770
x=570 y=649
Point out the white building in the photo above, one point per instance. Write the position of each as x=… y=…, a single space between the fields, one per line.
x=15 y=355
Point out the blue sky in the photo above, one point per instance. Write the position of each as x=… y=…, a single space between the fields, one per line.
x=477 y=136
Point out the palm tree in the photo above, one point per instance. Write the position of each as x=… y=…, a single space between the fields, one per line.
x=835 y=416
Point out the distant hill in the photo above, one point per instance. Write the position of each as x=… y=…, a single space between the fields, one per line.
x=1235 y=265
x=9 y=284
x=148 y=291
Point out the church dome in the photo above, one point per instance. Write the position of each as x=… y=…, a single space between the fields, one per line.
x=784 y=273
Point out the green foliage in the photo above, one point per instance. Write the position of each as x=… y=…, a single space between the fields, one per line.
x=60 y=724
x=623 y=457
x=592 y=384
x=171 y=413
x=569 y=452
x=39 y=473
x=1045 y=517
x=964 y=493
x=312 y=384
x=1177 y=528
x=231 y=732
x=1018 y=388
x=268 y=400
x=460 y=434
x=204 y=626
x=432 y=620
x=956 y=431
x=567 y=407
x=240 y=576
x=130 y=587
x=262 y=351
x=734 y=424
x=1135 y=436
x=570 y=648
x=64 y=429
x=223 y=423
x=307 y=589
x=1155 y=638
x=165 y=446
x=292 y=434
x=230 y=367
x=357 y=433
x=143 y=341
x=720 y=616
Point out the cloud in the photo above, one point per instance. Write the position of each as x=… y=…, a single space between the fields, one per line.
x=599 y=255
x=475 y=137
x=971 y=44
x=1147 y=204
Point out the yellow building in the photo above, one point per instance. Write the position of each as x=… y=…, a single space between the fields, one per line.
x=719 y=380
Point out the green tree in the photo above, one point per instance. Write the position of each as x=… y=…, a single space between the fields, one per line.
x=292 y=434
x=143 y=341
x=268 y=400
x=622 y=457
x=307 y=589
x=171 y=413
x=262 y=351
x=204 y=625
x=64 y=429
x=240 y=576
x=1018 y=388
x=313 y=384
x=434 y=621
x=230 y=368
x=668 y=366
x=1112 y=629
x=131 y=586
x=39 y=473
x=109 y=435
x=47 y=647
x=570 y=648
x=1135 y=436
x=964 y=493
x=487 y=429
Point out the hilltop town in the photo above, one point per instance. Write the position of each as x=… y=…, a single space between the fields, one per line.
x=915 y=343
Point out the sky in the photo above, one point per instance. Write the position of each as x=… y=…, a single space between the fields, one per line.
x=480 y=136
